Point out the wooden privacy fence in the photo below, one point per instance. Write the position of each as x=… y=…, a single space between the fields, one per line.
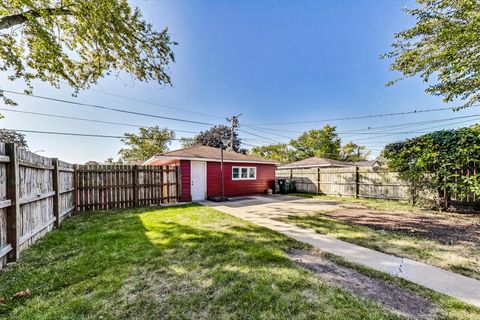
x=347 y=181
x=102 y=187
x=36 y=194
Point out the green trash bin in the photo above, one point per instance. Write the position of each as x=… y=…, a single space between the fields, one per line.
x=282 y=186
x=292 y=188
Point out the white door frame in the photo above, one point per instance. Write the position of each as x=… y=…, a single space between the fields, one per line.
x=194 y=198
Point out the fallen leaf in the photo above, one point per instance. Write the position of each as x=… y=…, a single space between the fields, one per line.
x=22 y=294
x=2 y=300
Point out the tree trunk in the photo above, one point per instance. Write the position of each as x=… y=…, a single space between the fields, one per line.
x=443 y=199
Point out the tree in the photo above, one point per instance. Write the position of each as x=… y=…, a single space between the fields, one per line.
x=442 y=162
x=187 y=142
x=352 y=152
x=318 y=143
x=278 y=152
x=213 y=137
x=79 y=42
x=111 y=161
x=444 y=43
x=10 y=136
x=146 y=144
x=91 y=163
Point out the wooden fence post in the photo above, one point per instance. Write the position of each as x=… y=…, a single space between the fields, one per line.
x=13 y=194
x=136 y=202
x=75 y=187
x=56 y=196
x=318 y=180
x=357 y=182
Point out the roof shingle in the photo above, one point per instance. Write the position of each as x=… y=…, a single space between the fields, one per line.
x=204 y=152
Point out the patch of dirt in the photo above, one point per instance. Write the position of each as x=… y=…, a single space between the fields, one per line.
x=397 y=299
x=435 y=227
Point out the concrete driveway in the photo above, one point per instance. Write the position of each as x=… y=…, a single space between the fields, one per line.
x=263 y=210
x=277 y=206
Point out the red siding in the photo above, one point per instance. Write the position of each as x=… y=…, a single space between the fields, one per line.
x=233 y=188
x=185 y=172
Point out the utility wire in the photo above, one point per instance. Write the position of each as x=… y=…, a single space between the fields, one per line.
x=434 y=127
x=267 y=132
x=411 y=124
x=86 y=119
x=106 y=108
x=87 y=135
x=358 y=117
x=74 y=134
x=376 y=130
x=155 y=104
x=258 y=136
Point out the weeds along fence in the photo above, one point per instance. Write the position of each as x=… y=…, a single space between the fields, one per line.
x=37 y=193
x=348 y=181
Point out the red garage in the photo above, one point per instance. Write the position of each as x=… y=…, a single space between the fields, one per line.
x=201 y=172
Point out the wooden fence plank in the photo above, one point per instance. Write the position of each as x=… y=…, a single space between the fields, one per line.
x=13 y=194
x=347 y=181
x=126 y=186
x=56 y=196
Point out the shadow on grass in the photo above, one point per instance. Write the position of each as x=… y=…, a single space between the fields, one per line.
x=186 y=262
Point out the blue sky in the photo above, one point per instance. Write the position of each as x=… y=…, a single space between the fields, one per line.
x=271 y=61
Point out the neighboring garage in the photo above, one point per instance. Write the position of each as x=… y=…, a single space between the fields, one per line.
x=201 y=172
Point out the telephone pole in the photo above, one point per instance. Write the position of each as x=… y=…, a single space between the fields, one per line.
x=234 y=124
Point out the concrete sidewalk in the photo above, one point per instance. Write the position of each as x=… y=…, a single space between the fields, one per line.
x=449 y=283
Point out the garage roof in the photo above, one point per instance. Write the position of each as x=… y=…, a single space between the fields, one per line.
x=205 y=153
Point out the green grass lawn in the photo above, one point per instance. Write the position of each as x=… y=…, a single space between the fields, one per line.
x=463 y=258
x=188 y=262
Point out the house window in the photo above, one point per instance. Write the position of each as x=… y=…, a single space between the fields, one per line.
x=244 y=173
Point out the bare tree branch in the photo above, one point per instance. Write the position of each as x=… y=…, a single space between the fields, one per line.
x=18 y=19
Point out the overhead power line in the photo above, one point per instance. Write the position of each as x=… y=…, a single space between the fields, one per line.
x=258 y=136
x=156 y=104
x=385 y=134
x=410 y=124
x=76 y=134
x=72 y=134
x=268 y=132
x=107 y=108
x=358 y=117
x=385 y=129
x=86 y=119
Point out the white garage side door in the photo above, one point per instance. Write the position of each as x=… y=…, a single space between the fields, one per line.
x=198 y=180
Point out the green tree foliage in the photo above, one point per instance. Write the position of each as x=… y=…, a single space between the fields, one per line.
x=79 y=42
x=10 y=136
x=280 y=152
x=187 y=142
x=213 y=138
x=443 y=162
x=146 y=144
x=352 y=152
x=323 y=142
x=112 y=161
x=444 y=44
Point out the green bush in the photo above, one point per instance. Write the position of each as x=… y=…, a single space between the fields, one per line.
x=443 y=162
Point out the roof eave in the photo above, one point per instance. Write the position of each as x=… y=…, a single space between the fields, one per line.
x=165 y=157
